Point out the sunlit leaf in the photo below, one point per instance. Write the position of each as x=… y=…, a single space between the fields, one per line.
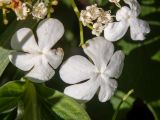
x=63 y=106
x=10 y=93
x=3 y=59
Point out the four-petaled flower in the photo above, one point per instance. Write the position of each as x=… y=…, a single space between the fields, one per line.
x=100 y=75
x=127 y=17
x=38 y=57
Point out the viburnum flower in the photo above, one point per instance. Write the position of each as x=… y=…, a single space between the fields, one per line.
x=90 y=14
x=39 y=10
x=127 y=17
x=21 y=11
x=90 y=77
x=38 y=58
x=97 y=29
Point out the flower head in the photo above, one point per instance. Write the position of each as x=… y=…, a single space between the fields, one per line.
x=127 y=17
x=21 y=11
x=90 y=14
x=105 y=17
x=97 y=29
x=39 y=10
x=97 y=17
x=100 y=75
x=38 y=57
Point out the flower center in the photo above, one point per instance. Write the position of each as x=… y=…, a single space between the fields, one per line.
x=40 y=52
x=100 y=72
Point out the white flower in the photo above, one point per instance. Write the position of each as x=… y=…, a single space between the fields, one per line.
x=93 y=11
x=97 y=29
x=105 y=17
x=90 y=14
x=85 y=18
x=38 y=57
x=22 y=11
x=100 y=75
x=127 y=17
x=39 y=10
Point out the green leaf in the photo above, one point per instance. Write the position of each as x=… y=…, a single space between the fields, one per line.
x=8 y=116
x=117 y=98
x=3 y=59
x=33 y=107
x=29 y=104
x=10 y=94
x=5 y=40
x=65 y=107
x=156 y=56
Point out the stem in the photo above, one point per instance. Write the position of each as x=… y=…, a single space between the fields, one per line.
x=119 y=106
x=153 y=111
x=75 y=8
x=5 y=21
x=90 y=27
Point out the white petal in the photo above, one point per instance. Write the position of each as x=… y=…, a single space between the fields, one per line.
x=76 y=69
x=83 y=91
x=116 y=30
x=99 y=50
x=123 y=14
x=134 y=5
x=41 y=71
x=115 y=67
x=23 y=61
x=55 y=57
x=49 y=31
x=138 y=29
x=24 y=40
x=107 y=89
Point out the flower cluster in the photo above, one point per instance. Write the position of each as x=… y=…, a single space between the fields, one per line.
x=22 y=9
x=96 y=17
x=97 y=73
x=114 y=30
x=127 y=17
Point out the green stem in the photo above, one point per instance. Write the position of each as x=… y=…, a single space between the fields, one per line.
x=5 y=21
x=75 y=8
x=90 y=26
x=153 y=111
x=119 y=106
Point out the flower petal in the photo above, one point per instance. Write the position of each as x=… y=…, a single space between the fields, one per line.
x=24 y=40
x=107 y=89
x=99 y=50
x=134 y=5
x=41 y=71
x=83 y=91
x=116 y=30
x=76 y=69
x=49 y=31
x=55 y=57
x=138 y=29
x=23 y=61
x=123 y=14
x=115 y=67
